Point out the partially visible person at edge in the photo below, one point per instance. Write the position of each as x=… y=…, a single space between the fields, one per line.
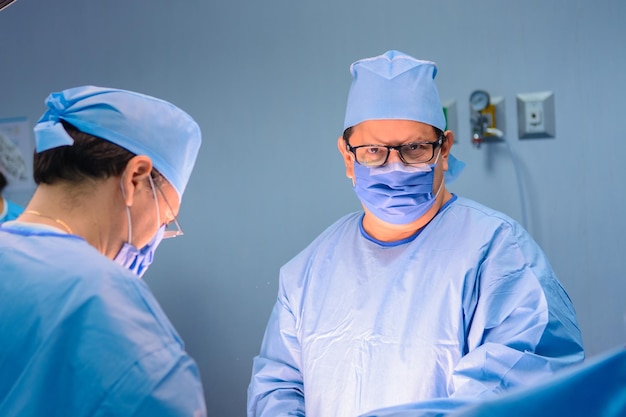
x=12 y=164
x=8 y=209
x=82 y=334
x=423 y=296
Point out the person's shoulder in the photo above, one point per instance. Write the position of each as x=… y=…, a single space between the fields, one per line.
x=348 y=223
x=109 y=300
x=478 y=220
x=478 y=210
x=126 y=301
x=162 y=383
x=105 y=317
x=67 y=268
x=13 y=210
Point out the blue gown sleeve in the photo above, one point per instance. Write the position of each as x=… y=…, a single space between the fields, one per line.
x=276 y=388
x=522 y=326
x=11 y=211
x=595 y=388
x=165 y=383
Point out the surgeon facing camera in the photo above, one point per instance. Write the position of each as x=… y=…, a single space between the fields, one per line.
x=423 y=298
x=87 y=337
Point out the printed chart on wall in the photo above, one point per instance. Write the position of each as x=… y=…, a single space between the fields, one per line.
x=16 y=154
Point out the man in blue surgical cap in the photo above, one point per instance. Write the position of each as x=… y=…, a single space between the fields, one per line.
x=82 y=333
x=425 y=296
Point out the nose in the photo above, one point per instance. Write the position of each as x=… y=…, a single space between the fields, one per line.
x=394 y=156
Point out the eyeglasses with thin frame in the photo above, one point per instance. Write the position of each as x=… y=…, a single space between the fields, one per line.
x=172 y=228
x=410 y=153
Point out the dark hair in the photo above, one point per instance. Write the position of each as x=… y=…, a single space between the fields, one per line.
x=348 y=132
x=3 y=181
x=89 y=157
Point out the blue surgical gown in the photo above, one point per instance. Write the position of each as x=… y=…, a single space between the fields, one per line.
x=82 y=336
x=467 y=308
x=10 y=211
x=597 y=388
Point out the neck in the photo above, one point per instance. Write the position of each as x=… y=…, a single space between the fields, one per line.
x=387 y=232
x=87 y=211
x=58 y=222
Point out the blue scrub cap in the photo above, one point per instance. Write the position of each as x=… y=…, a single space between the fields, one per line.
x=394 y=86
x=397 y=86
x=139 y=123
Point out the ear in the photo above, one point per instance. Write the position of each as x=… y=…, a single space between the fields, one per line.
x=446 y=147
x=134 y=177
x=348 y=157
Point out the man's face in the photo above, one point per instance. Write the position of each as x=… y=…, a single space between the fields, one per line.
x=393 y=133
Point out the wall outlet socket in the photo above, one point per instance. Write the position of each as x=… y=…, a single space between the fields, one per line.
x=535 y=115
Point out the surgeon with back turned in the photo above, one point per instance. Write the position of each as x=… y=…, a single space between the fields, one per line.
x=82 y=334
x=423 y=296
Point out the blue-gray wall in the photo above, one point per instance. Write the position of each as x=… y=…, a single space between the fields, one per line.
x=267 y=82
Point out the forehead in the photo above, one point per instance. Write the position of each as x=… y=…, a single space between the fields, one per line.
x=392 y=131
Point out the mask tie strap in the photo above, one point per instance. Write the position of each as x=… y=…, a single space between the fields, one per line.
x=439 y=190
x=130 y=224
x=156 y=201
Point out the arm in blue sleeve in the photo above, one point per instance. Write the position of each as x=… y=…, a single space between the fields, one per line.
x=179 y=393
x=523 y=327
x=165 y=383
x=276 y=388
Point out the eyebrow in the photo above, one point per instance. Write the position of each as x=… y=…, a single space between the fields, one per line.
x=413 y=139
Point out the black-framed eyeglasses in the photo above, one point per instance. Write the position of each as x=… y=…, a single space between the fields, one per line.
x=410 y=153
x=172 y=228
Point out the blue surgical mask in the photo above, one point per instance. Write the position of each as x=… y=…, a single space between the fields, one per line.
x=138 y=260
x=396 y=193
x=129 y=256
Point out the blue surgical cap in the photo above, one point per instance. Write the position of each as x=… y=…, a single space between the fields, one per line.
x=139 y=123
x=394 y=86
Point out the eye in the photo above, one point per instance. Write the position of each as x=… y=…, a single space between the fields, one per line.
x=371 y=155
x=373 y=150
x=416 y=146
